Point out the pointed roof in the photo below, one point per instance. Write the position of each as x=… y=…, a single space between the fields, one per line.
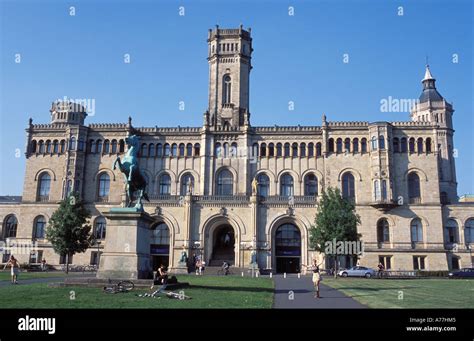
x=429 y=88
x=428 y=75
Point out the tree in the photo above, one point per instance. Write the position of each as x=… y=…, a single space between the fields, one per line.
x=68 y=230
x=335 y=222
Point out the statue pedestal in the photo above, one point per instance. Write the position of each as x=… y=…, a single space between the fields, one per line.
x=182 y=268
x=127 y=249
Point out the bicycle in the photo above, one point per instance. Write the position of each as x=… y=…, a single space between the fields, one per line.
x=222 y=272
x=120 y=287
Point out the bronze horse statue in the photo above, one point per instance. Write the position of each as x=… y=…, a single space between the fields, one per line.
x=134 y=179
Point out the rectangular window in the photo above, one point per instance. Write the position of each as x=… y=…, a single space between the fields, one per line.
x=62 y=259
x=419 y=262
x=95 y=258
x=386 y=261
x=36 y=257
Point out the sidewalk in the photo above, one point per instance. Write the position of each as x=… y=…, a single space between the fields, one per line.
x=304 y=295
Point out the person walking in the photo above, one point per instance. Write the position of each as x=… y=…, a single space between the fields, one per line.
x=15 y=268
x=316 y=276
x=381 y=270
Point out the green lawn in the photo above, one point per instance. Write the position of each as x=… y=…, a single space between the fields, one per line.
x=417 y=293
x=206 y=292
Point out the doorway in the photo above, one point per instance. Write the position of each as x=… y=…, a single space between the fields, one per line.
x=288 y=249
x=223 y=246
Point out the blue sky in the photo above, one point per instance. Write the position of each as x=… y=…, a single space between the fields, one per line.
x=296 y=58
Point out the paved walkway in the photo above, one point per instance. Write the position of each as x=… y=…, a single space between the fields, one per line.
x=303 y=297
x=40 y=280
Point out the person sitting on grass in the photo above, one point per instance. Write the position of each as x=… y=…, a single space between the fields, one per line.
x=15 y=268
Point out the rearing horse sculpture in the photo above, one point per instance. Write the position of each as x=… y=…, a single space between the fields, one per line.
x=135 y=181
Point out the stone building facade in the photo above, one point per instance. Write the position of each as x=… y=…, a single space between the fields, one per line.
x=400 y=175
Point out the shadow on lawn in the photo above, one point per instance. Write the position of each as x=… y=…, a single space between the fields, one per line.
x=248 y=289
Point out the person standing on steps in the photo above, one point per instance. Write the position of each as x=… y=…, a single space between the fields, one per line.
x=316 y=276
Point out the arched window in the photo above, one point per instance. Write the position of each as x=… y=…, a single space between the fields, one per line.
x=189 y=150
x=355 y=145
x=174 y=150
x=144 y=150
x=104 y=186
x=106 y=147
x=48 y=147
x=311 y=149
x=160 y=234
x=91 y=146
x=319 y=151
x=121 y=146
x=11 y=226
x=197 y=149
x=451 y=231
x=419 y=145
x=226 y=98
x=363 y=145
x=114 y=146
x=165 y=184
x=383 y=231
x=263 y=185
x=81 y=145
x=279 y=150
x=167 y=151
x=287 y=149
x=339 y=145
x=62 y=146
x=416 y=230
x=403 y=145
x=271 y=150
x=218 y=150
x=444 y=200
x=381 y=142
x=414 y=192
x=33 y=146
x=255 y=150
x=99 y=146
x=159 y=150
x=331 y=145
x=469 y=231
x=41 y=146
x=225 y=183
x=263 y=150
x=100 y=228
x=286 y=185
x=396 y=145
x=377 y=193
x=348 y=187
x=412 y=145
x=373 y=143
x=233 y=150
x=39 y=227
x=303 y=149
x=428 y=145
x=181 y=149
x=187 y=184
x=294 y=149
x=55 y=147
x=72 y=143
x=310 y=185
x=44 y=186
x=347 y=145
x=151 y=150
x=384 y=190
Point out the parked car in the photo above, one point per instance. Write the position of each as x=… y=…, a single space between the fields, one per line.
x=463 y=273
x=357 y=271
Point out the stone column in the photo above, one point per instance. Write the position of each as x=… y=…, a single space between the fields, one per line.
x=127 y=249
x=254 y=225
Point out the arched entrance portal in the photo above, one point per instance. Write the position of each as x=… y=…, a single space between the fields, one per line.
x=288 y=249
x=160 y=245
x=223 y=245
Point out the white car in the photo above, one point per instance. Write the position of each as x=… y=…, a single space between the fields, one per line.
x=357 y=271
